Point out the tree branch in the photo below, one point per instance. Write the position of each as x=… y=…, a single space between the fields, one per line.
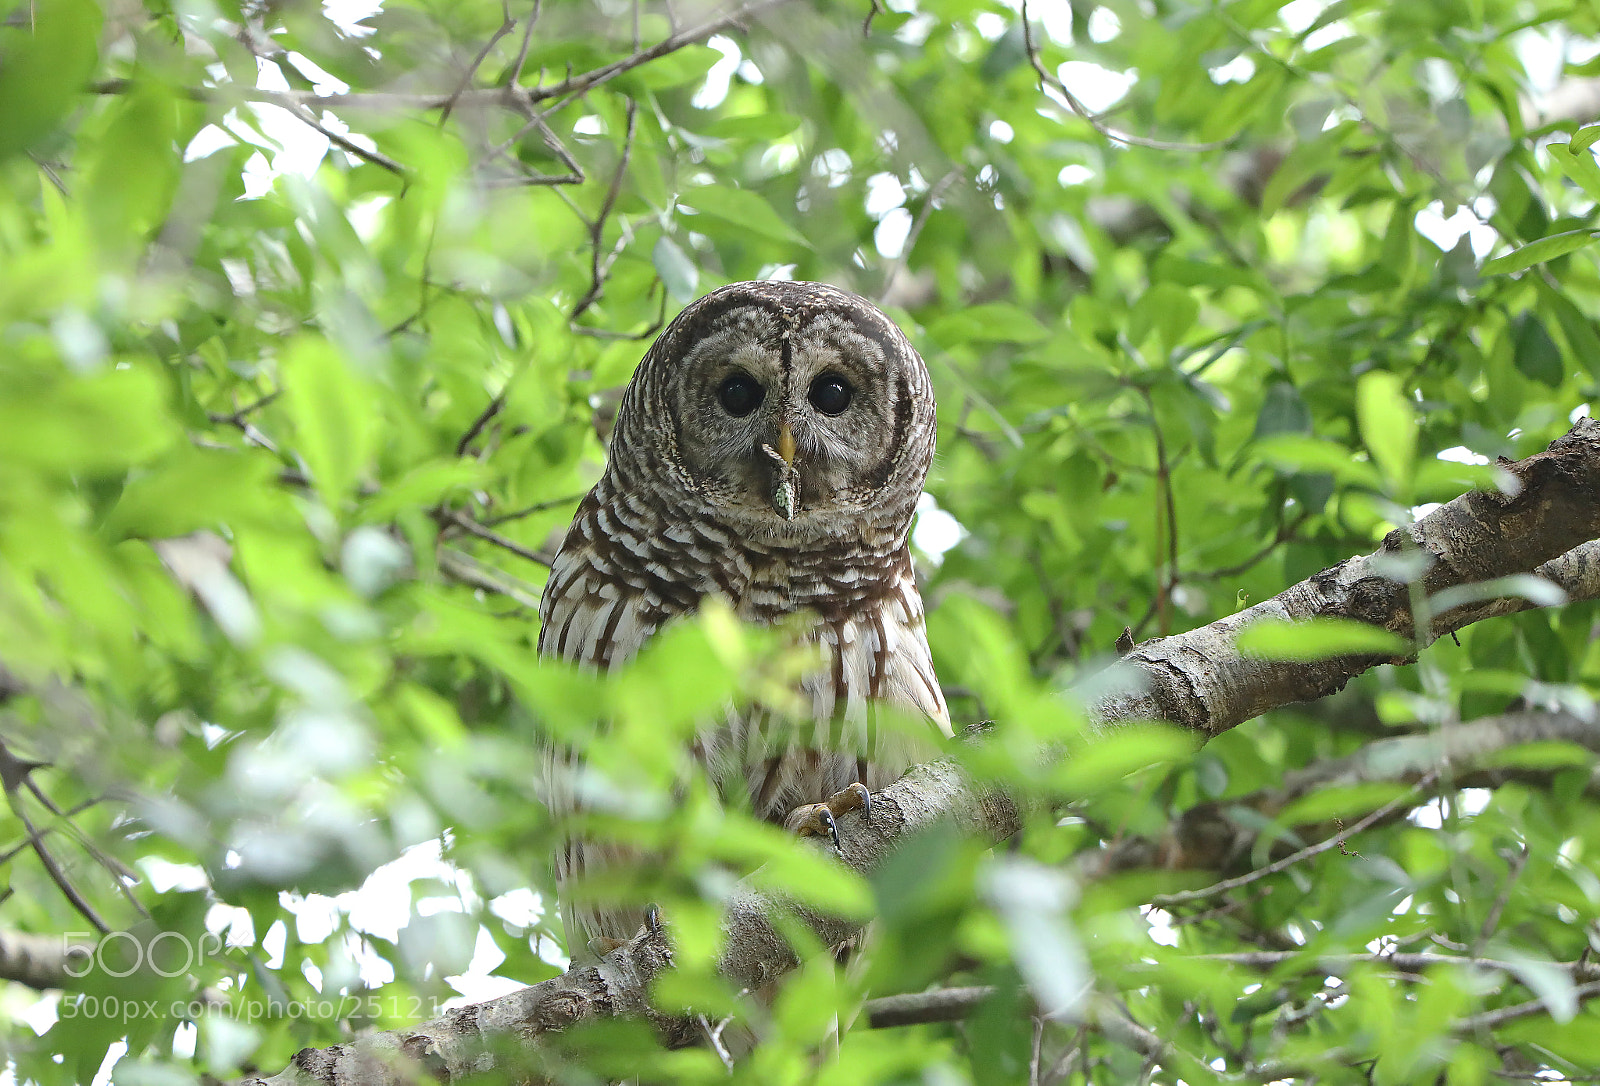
x=1222 y=835
x=1198 y=679
x=39 y=961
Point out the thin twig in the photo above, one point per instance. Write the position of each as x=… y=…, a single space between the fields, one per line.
x=522 y=51
x=472 y=527
x=1490 y=1020
x=1404 y=961
x=898 y=264
x=644 y=333
x=578 y=84
x=1164 y=486
x=529 y=510
x=55 y=178
x=53 y=869
x=468 y=570
x=1048 y=81
x=507 y=25
x=237 y=418
x=1284 y=533
x=597 y=228
x=345 y=143
x=1167 y=901
x=483 y=419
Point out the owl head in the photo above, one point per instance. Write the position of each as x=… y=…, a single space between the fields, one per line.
x=787 y=410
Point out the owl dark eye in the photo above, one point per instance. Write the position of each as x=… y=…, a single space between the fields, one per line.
x=830 y=394
x=739 y=394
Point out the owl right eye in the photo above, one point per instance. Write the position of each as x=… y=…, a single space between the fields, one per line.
x=739 y=394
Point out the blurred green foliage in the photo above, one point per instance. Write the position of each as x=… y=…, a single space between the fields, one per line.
x=287 y=427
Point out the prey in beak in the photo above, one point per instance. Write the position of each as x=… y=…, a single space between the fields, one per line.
x=786 y=478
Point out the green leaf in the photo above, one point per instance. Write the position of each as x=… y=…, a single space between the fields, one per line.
x=762 y=127
x=1166 y=309
x=47 y=57
x=1531 y=587
x=1303 y=455
x=1576 y=1040
x=1282 y=412
x=193 y=488
x=106 y=421
x=1537 y=252
x=1346 y=802
x=1107 y=760
x=334 y=422
x=676 y=68
x=677 y=271
x=132 y=168
x=1579 y=165
x=744 y=209
x=1584 y=138
x=1577 y=329
x=1388 y=425
x=1534 y=352
x=993 y=322
x=1318 y=639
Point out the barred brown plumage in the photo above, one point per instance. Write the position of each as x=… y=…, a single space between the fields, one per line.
x=783 y=497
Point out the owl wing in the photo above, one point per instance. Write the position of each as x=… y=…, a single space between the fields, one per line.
x=881 y=655
x=590 y=618
x=596 y=620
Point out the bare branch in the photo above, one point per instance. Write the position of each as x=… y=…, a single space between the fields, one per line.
x=1048 y=81
x=472 y=527
x=578 y=84
x=38 y=961
x=507 y=25
x=914 y=1008
x=1187 y=897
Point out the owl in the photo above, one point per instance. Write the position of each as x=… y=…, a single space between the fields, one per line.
x=770 y=451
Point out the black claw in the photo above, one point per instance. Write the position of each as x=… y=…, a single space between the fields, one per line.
x=833 y=829
x=866 y=803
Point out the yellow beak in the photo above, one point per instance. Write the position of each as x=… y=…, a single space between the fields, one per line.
x=786 y=444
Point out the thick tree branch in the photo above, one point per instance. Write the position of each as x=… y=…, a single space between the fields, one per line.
x=1198 y=679
x=39 y=961
x=1201 y=680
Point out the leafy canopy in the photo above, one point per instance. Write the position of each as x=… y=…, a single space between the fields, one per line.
x=352 y=294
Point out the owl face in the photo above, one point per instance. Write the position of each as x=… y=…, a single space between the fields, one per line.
x=791 y=404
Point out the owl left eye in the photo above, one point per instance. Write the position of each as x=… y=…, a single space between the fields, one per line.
x=830 y=394
x=740 y=394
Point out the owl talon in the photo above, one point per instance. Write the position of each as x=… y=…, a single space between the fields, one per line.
x=814 y=820
x=817 y=819
x=854 y=798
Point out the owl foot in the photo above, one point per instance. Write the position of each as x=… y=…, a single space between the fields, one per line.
x=818 y=819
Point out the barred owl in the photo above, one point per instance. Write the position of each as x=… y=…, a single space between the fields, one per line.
x=769 y=450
